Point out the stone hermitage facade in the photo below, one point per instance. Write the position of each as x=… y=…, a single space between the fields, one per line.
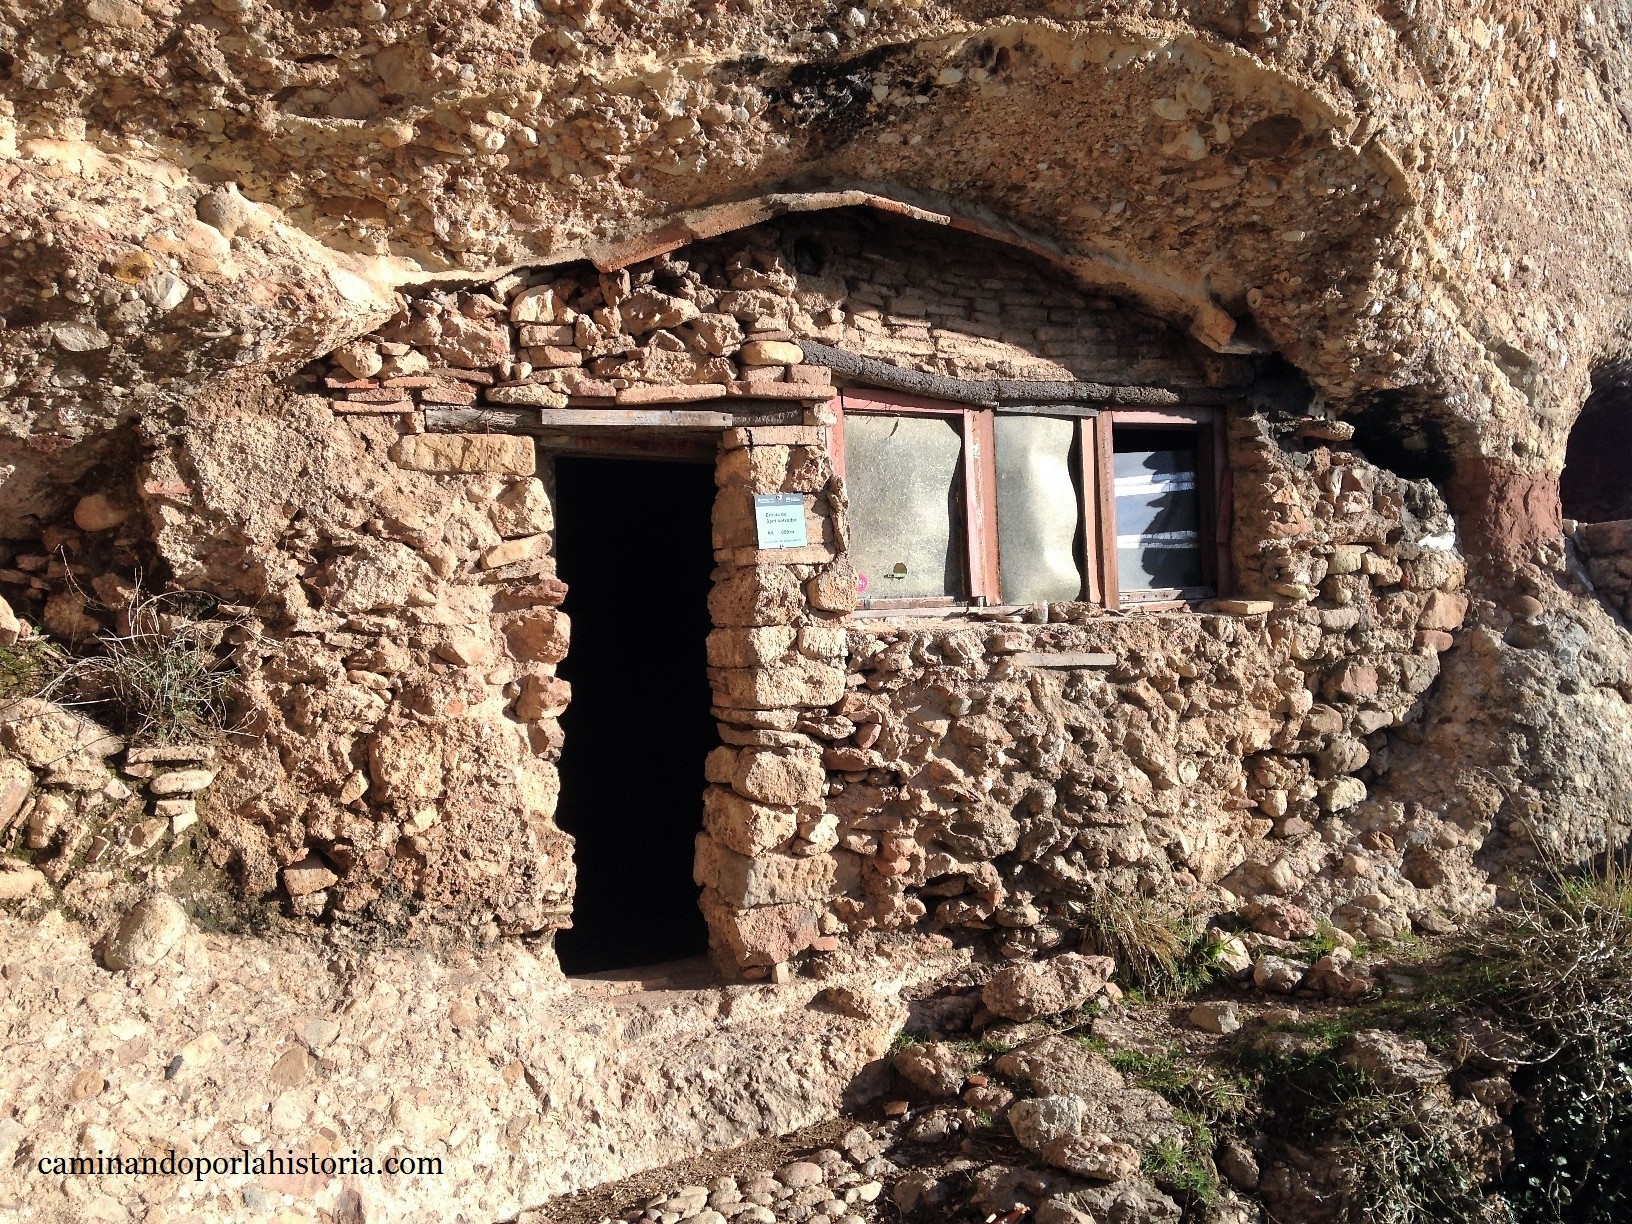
x=299 y=305
x=877 y=770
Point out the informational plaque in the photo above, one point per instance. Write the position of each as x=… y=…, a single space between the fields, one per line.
x=780 y=518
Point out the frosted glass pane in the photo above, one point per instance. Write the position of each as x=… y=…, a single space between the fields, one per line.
x=1038 y=509
x=1158 y=510
x=906 y=517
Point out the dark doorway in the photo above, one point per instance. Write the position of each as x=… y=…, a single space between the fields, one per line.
x=1594 y=487
x=634 y=547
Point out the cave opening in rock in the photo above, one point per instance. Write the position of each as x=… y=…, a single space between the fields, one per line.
x=1594 y=487
x=635 y=549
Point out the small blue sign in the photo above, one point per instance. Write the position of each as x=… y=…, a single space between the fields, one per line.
x=780 y=518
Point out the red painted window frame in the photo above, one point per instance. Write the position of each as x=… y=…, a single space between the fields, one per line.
x=1095 y=437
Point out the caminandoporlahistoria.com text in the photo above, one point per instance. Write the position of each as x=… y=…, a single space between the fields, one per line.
x=244 y=1162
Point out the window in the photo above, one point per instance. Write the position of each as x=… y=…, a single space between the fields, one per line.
x=954 y=506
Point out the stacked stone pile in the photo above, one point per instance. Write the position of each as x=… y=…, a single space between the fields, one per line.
x=657 y=335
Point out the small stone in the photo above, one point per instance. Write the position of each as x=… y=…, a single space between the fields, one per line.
x=146 y=934
x=181 y=813
x=164 y=754
x=310 y=875
x=1238 y=1165
x=181 y=782
x=80 y=337
x=536 y=305
x=1340 y=794
x=359 y=360
x=1243 y=607
x=99 y=512
x=144 y=835
x=770 y=352
x=1219 y=1017
x=1276 y=973
x=1096 y=1157
x=465 y=649
x=535 y=395
x=525 y=548
x=800 y=1174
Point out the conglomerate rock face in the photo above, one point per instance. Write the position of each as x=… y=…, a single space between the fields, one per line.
x=286 y=291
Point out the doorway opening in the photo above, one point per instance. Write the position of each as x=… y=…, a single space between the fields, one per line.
x=1593 y=486
x=634 y=546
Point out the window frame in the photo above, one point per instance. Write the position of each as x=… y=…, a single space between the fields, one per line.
x=1096 y=495
x=1213 y=490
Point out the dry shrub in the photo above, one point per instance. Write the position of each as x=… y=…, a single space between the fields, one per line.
x=1559 y=969
x=160 y=683
x=1157 y=946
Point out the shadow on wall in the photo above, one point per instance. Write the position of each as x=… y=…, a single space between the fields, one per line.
x=635 y=550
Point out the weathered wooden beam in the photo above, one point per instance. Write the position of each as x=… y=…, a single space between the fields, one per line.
x=598 y=420
x=999 y=392
x=535 y=420
x=483 y=420
x=893 y=378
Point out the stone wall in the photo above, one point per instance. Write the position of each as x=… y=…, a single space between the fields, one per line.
x=398 y=622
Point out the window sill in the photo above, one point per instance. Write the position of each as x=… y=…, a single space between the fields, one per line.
x=1016 y=613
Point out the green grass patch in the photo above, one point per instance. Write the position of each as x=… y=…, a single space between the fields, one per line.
x=27 y=668
x=1182 y=1171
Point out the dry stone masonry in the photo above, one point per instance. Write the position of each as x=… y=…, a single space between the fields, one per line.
x=299 y=309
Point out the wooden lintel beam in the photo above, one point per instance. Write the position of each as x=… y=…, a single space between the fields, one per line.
x=598 y=420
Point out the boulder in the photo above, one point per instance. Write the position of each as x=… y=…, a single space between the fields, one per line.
x=937 y=1070
x=1095 y=1157
x=1394 y=1063
x=146 y=933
